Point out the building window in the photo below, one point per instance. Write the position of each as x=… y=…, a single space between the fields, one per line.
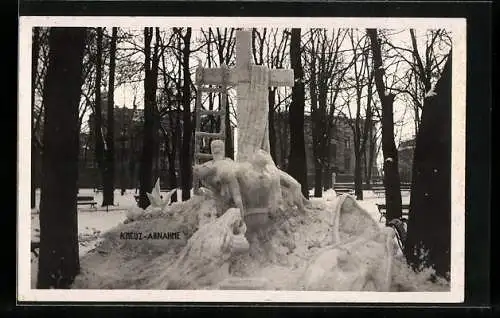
x=348 y=143
x=333 y=152
x=347 y=163
x=335 y=133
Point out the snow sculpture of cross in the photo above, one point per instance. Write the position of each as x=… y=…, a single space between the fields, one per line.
x=252 y=82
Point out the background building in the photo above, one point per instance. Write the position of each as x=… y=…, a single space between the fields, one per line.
x=341 y=149
x=405 y=159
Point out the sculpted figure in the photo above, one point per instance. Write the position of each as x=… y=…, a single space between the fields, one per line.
x=254 y=186
x=218 y=176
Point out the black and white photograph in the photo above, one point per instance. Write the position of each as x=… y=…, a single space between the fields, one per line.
x=241 y=159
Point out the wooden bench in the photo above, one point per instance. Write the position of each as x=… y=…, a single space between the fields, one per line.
x=399 y=229
x=344 y=190
x=382 y=209
x=86 y=200
x=34 y=246
x=378 y=191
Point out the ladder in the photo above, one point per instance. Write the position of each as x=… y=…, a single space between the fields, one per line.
x=199 y=135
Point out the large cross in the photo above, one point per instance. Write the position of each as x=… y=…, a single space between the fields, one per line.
x=252 y=82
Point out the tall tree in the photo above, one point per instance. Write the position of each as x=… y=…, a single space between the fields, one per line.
x=170 y=124
x=391 y=173
x=429 y=225
x=58 y=262
x=425 y=62
x=109 y=166
x=326 y=69
x=186 y=163
x=35 y=48
x=360 y=123
x=151 y=61
x=297 y=165
x=99 y=138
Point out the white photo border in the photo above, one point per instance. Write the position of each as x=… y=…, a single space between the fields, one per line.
x=457 y=275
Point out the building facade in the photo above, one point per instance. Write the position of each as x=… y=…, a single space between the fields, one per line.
x=405 y=159
x=341 y=150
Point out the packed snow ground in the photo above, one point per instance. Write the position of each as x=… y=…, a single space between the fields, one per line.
x=92 y=222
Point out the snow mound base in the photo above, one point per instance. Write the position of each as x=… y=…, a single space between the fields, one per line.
x=329 y=246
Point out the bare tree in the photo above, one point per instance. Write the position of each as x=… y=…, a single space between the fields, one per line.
x=297 y=165
x=58 y=260
x=35 y=49
x=170 y=119
x=429 y=225
x=187 y=125
x=424 y=66
x=360 y=122
x=391 y=173
x=98 y=133
x=109 y=164
x=151 y=62
x=326 y=68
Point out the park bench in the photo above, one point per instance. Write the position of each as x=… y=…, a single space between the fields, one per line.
x=378 y=191
x=400 y=231
x=34 y=246
x=382 y=209
x=344 y=190
x=86 y=200
x=341 y=188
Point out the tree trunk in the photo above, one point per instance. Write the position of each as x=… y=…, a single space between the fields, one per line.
x=358 y=150
x=123 y=168
x=186 y=163
x=172 y=175
x=150 y=83
x=34 y=177
x=368 y=129
x=272 y=130
x=391 y=173
x=327 y=182
x=371 y=157
x=35 y=48
x=297 y=167
x=109 y=166
x=358 y=177
x=99 y=145
x=58 y=262
x=318 y=179
x=229 y=148
x=315 y=128
x=429 y=224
